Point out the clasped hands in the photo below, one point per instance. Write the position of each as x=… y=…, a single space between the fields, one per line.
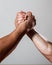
x=25 y=21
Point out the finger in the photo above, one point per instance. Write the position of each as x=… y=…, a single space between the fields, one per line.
x=21 y=14
x=34 y=21
x=29 y=13
x=34 y=18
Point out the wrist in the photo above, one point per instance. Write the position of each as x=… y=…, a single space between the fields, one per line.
x=17 y=32
x=31 y=33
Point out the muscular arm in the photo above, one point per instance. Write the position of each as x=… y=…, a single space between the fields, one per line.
x=43 y=46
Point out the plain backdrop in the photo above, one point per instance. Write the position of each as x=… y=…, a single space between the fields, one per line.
x=26 y=52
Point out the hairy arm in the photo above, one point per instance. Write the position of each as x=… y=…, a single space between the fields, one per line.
x=43 y=46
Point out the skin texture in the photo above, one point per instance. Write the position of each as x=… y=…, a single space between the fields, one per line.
x=24 y=22
x=28 y=17
x=42 y=45
x=9 y=42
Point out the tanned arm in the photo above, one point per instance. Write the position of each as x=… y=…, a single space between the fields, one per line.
x=9 y=42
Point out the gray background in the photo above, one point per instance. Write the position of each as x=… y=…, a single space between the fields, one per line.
x=26 y=52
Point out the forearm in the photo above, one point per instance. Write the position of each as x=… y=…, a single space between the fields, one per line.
x=8 y=43
x=38 y=40
x=43 y=46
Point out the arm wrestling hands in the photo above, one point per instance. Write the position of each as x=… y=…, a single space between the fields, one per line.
x=10 y=41
x=24 y=22
x=43 y=46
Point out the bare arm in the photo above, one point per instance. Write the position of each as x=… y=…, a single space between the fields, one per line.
x=43 y=46
x=8 y=42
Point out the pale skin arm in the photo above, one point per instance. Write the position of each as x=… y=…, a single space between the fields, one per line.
x=43 y=46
